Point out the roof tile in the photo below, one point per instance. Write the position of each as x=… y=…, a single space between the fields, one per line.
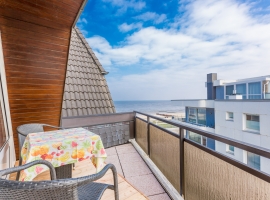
x=86 y=90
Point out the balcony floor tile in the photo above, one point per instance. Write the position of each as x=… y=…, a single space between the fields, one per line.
x=124 y=149
x=111 y=151
x=132 y=169
x=130 y=157
x=147 y=184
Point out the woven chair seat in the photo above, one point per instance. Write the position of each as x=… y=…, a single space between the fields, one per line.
x=92 y=191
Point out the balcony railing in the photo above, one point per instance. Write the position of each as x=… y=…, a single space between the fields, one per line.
x=195 y=171
x=114 y=129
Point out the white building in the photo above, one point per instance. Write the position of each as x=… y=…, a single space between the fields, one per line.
x=238 y=109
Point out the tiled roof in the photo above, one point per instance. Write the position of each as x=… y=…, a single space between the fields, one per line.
x=86 y=89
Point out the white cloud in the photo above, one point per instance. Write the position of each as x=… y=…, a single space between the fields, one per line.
x=152 y=16
x=124 y=5
x=213 y=36
x=81 y=22
x=128 y=27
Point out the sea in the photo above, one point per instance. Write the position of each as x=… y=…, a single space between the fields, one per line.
x=151 y=107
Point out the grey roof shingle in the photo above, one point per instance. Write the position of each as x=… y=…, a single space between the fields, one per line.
x=86 y=89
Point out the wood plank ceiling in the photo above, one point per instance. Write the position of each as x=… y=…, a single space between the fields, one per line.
x=35 y=37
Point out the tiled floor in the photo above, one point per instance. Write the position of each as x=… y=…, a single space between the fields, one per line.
x=130 y=165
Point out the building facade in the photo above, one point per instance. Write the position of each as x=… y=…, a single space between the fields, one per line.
x=238 y=109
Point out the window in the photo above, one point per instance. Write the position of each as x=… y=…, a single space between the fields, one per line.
x=267 y=90
x=197 y=116
x=229 y=116
x=201 y=116
x=204 y=141
x=230 y=149
x=253 y=122
x=192 y=115
x=254 y=90
x=242 y=90
x=197 y=138
x=253 y=160
x=229 y=90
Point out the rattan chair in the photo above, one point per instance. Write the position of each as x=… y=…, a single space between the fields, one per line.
x=24 y=130
x=82 y=188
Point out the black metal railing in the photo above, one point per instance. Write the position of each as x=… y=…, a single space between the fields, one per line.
x=185 y=126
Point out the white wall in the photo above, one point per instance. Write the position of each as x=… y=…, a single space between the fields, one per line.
x=235 y=129
x=238 y=153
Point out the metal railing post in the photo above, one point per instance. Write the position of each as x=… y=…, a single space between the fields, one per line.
x=148 y=136
x=181 y=146
x=135 y=125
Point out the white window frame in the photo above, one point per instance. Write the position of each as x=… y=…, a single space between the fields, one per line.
x=246 y=89
x=245 y=124
x=227 y=116
x=254 y=94
x=203 y=138
x=196 y=109
x=8 y=150
x=225 y=95
x=228 y=149
x=257 y=155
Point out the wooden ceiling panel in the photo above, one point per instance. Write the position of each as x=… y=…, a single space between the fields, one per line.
x=38 y=50
x=35 y=37
x=23 y=16
x=11 y=40
x=22 y=25
x=32 y=64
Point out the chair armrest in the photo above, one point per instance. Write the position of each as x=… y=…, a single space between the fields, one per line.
x=94 y=177
x=22 y=167
x=57 y=127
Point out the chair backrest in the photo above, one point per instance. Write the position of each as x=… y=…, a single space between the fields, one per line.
x=25 y=129
x=65 y=189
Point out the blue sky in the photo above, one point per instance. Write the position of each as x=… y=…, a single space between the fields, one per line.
x=159 y=50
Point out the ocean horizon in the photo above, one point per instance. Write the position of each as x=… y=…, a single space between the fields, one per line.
x=148 y=106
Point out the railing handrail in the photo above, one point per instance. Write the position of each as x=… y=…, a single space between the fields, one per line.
x=236 y=143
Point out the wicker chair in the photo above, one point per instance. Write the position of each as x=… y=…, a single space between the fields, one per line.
x=24 y=130
x=82 y=188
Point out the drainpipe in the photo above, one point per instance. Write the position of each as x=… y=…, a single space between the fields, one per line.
x=264 y=89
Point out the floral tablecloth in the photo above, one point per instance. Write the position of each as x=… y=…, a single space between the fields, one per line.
x=61 y=147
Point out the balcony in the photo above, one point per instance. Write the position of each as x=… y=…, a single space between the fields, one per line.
x=153 y=157
x=157 y=162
